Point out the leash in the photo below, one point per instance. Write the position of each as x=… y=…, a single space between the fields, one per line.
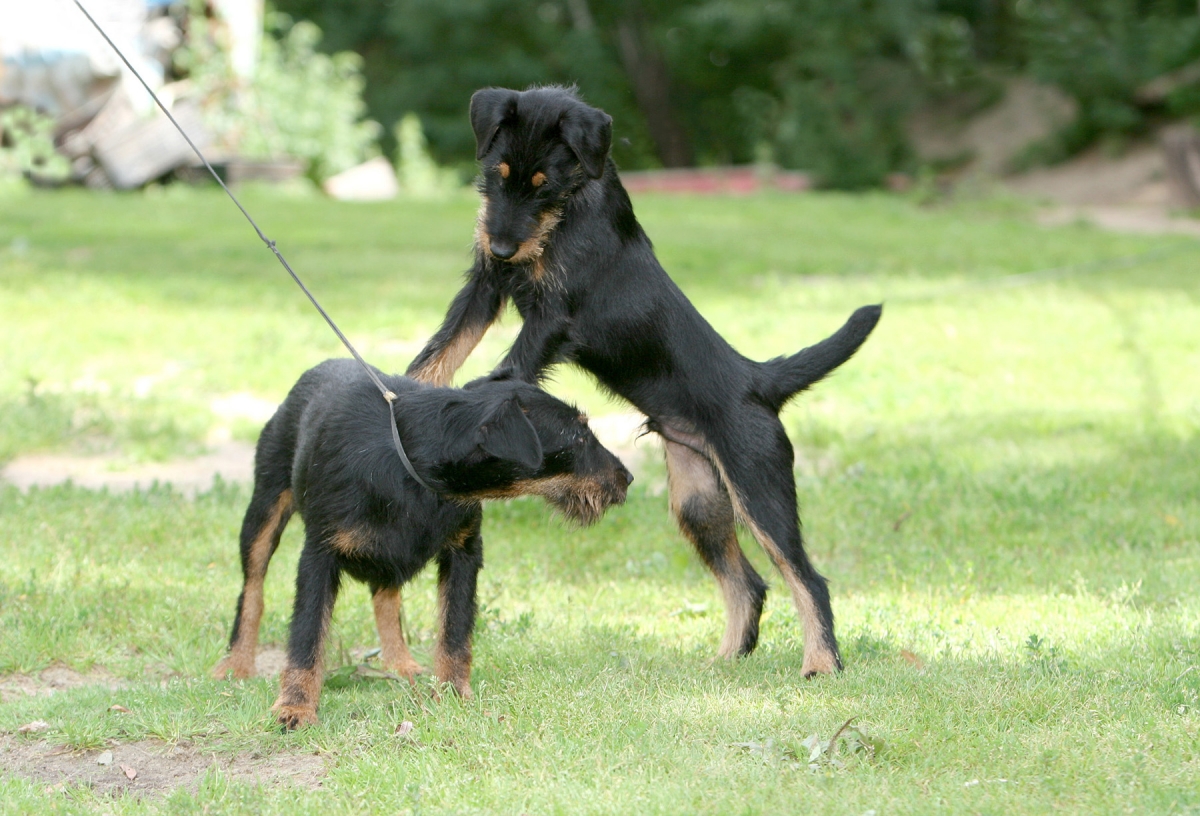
x=387 y=393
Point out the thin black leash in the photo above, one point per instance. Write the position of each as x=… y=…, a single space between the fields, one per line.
x=387 y=393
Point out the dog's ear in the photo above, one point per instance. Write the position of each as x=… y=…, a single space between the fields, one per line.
x=508 y=434
x=489 y=108
x=588 y=132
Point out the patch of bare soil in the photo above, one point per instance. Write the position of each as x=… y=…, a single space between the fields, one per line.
x=52 y=680
x=988 y=141
x=232 y=461
x=1123 y=193
x=269 y=661
x=150 y=767
x=1134 y=178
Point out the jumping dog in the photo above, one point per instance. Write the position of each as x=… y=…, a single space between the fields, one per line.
x=556 y=235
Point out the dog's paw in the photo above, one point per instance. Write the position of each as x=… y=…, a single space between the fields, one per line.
x=461 y=688
x=408 y=669
x=292 y=717
x=234 y=665
x=821 y=663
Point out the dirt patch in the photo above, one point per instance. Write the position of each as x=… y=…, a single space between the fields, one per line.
x=232 y=461
x=150 y=767
x=52 y=680
x=989 y=141
x=269 y=662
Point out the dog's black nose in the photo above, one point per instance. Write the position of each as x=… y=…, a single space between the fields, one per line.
x=628 y=478
x=503 y=249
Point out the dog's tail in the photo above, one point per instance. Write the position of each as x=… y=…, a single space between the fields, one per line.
x=785 y=377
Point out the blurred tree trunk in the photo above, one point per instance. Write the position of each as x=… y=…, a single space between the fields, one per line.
x=647 y=71
x=1181 y=154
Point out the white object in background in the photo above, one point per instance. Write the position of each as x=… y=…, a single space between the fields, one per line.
x=374 y=180
x=245 y=21
x=40 y=43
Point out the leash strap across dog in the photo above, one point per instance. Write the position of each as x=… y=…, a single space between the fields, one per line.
x=386 y=392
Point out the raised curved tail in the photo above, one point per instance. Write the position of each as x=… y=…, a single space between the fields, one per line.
x=782 y=378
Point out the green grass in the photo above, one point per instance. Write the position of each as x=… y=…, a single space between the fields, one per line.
x=1003 y=488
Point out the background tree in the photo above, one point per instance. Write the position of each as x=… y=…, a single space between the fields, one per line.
x=810 y=84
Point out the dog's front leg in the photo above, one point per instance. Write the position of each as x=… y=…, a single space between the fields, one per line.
x=541 y=343
x=472 y=311
x=458 y=569
x=395 y=654
x=301 y=680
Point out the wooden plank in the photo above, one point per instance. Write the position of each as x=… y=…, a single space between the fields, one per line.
x=150 y=148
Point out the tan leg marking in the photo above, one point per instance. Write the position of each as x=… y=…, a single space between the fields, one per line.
x=690 y=474
x=447 y=668
x=300 y=688
x=299 y=691
x=240 y=660
x=439 y=370
x=395 y=656
x=818 y=658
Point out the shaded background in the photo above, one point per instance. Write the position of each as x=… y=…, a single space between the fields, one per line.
x=826 y=87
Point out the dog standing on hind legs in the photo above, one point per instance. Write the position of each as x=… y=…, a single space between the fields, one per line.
x=556 y=234
x=327 y=453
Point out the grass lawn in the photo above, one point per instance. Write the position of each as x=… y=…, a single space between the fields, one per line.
x=1003 y=488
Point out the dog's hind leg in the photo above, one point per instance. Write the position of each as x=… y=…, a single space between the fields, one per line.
x=458 y=570
x=705 y=515
x=395 y=654
x=759 y=475
x=270 y=508
x=317 y=582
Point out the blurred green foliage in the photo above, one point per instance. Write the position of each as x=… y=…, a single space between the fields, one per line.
x=303 y=103
x=27 y=147
x=1102 y=51
x=809 y=84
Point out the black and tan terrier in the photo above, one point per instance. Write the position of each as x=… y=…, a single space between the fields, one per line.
x=327 y=453
x=557 y=236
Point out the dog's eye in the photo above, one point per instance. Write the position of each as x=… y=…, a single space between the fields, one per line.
x=504 y=170
x=539 y=178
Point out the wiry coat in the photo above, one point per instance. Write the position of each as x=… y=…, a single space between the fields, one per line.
x=328 y=454
x=557 y=236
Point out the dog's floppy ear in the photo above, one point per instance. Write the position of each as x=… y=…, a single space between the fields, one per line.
x=588 y=132
x=508 y=434
x=489 y=108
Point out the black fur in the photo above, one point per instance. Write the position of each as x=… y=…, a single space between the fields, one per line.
x=330 y=445
x=557 y=235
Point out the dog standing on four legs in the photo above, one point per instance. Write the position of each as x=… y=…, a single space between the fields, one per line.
x=327 y=453
x=556 y=234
